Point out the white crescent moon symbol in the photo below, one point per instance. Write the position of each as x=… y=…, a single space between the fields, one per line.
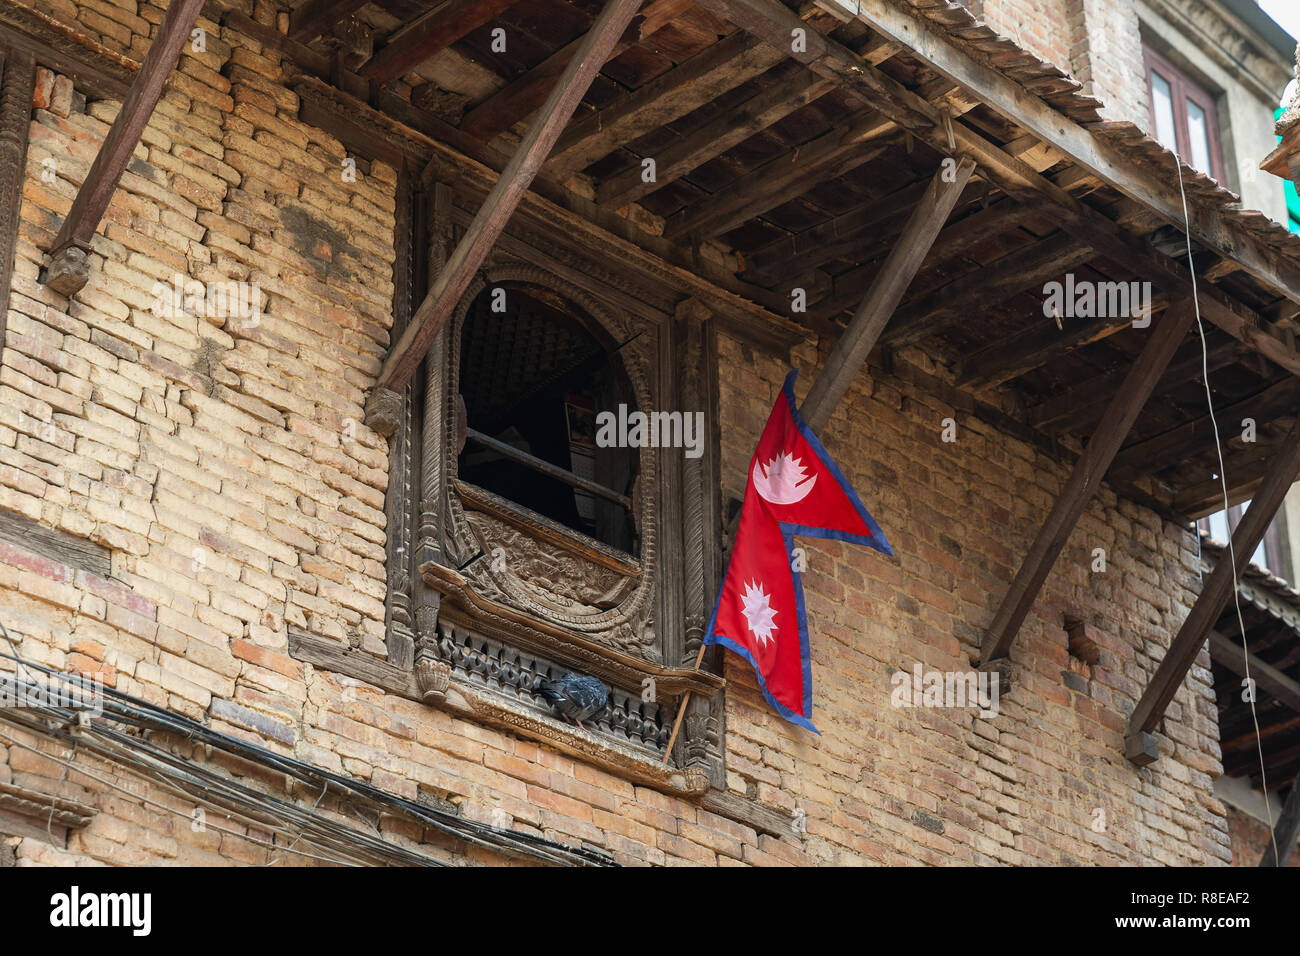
x=780 y=493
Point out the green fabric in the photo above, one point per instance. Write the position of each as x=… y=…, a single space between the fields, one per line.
x=1292 y=197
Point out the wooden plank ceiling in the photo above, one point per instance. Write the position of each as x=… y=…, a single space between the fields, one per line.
x=795 y=180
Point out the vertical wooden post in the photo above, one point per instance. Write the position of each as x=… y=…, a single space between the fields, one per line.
x=1140 y=746
x=1168 y=333
x=886 y=292
x=67 y=272
x=17 y=83
x=1286 y=831
x=407 y=353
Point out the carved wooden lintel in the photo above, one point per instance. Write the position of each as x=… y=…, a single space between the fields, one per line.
x=384 y=411
x=43 y=807
x=570 y=647
x=68 y=271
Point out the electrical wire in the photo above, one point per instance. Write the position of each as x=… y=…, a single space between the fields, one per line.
x=122 y=708
x=1223 y=482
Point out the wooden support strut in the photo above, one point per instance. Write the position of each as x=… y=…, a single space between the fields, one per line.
x=1167 y=334
x=1286 y=831
x=452 y=281
x=886 y=292
x=68 y=272
x=1140 y=744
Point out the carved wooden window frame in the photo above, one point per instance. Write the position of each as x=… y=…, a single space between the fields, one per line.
x=466 y=629
x=17 y=86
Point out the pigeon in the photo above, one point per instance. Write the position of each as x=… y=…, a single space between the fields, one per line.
x=575 y=696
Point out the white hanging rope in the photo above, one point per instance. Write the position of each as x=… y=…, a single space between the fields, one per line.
x=1223 y=481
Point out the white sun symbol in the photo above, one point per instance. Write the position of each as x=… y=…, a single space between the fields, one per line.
x=758 y=612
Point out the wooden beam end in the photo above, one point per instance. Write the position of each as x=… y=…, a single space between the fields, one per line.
x=1002 y=667
x=1142 y=748
x=384 y=411
x=68 y=271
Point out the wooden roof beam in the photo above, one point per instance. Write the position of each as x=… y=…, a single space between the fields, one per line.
x=383 y=407
x=1165 y=336
x=1024 y=351
x=1141 y=746
x=1228 y=652
x=68 y=270
x=1245 y=470
x=853 y=347
x=429 y=35
x=313 y=18
x=785 y=177
x=989 y=285
x=1286 y=831
x=1082 y=403
x=1279 y=399
x=522 y=96
x=683 y=89
x=694 y=150
x=956 y=240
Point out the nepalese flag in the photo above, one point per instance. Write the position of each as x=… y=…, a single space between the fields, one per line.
x=794 y=488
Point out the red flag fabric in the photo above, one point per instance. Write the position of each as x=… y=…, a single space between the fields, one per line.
x=794 y=488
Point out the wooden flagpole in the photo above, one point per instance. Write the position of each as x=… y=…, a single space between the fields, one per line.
x=681 y=708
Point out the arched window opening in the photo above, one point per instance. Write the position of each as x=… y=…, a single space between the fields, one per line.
x=534 y=373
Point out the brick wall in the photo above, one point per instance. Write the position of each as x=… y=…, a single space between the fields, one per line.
x=1040 y=26
x=1250 y=837
x=223 y=466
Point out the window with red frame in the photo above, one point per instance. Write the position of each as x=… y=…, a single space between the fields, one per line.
x=1184 y=116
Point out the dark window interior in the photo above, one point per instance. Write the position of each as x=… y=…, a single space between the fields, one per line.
x=533 y=377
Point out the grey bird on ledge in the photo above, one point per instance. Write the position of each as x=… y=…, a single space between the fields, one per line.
x=576 y=696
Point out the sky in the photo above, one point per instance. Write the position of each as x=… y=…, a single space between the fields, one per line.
x=1287 y=15
x=1285 y=12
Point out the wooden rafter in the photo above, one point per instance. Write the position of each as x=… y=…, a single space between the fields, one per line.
x=452 y=281
x=988 y=286
x=1028 y=349
x=522 y=96
x=1245 y=470
x=429 y=35
x=1166 y=334
x=905 y=261
x=1280 y=399
x=1228 y=652
x=67 y=272
x=701 y=79
x=1140 y=743
x=954 y=241
x=839 y=236
x=1286 y=831
x=1084 y=402
x=754 y=115
x=17 y=79
x=315 y=17
x=787 y=176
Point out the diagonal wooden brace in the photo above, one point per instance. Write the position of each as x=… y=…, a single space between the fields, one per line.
x=1214 y=598
x=1165 y=336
